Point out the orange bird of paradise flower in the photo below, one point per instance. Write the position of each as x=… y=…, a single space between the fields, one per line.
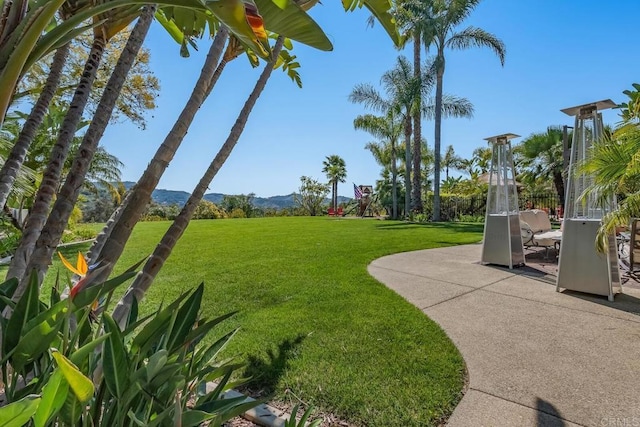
x=81 y=269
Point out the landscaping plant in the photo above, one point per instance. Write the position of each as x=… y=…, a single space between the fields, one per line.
x=67 y=362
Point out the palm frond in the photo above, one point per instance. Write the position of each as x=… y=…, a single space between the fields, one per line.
x=367 y=95
x=477 y=37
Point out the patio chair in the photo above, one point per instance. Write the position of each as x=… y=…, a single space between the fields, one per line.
x=630 y=253
x=340 y=211
x=332 y=212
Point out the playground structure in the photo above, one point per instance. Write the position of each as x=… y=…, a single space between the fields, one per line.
x=365 y=201
x=361 y=205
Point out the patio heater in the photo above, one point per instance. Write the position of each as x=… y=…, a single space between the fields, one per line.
x=502 y=243
x=581 y=267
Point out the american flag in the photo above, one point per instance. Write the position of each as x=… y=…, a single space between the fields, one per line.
x=357 y=192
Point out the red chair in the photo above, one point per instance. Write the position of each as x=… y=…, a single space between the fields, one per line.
x=340 y=211
x=332 y=212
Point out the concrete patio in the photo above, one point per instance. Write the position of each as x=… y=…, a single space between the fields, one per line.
x=535 y=357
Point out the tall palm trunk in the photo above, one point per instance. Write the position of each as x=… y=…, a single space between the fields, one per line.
x=416 y=197
x=558 y=182
x=98 y=243
x=104 y=234
x=162 y=252
x=53 y=171
x=407 y=166
x=436 y=138
x=14 y=161
x=394 y=182
x=335 y=194
x=68 y=195
x=141 y=193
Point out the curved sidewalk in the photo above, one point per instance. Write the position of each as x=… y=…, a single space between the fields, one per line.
x=535 y=357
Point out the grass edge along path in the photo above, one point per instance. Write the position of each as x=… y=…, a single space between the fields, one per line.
x=314 y=324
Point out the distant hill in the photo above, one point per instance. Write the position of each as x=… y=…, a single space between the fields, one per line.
x=170 y=197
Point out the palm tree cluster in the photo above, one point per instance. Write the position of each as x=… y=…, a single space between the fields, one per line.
x=613 y=164
x=236 y=27
x=432 y=24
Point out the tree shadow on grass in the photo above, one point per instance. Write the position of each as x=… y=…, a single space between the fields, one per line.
x=266 y=374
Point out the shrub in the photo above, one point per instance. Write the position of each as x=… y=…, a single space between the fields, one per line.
x=9 y=240
x=208 y=210
x=148 y=372
x=78 y=234
x=237 y=213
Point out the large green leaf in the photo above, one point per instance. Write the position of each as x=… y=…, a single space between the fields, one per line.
x=203 y=329
x=156 y=362
x=185 y=320
x=381 y=9
x=192 y=418
x=212 y=351
x=92 y=292
x=115 y=360
x=232 y=14
x=54 y=393
x=17 y=414
x=71 y=410
x=6 y=290
x=81 y=386
x=27 y=308
x=18 y=53
x=79 y=357
x=39 y=334
x=235 y=410
x=294 y=23
x=155 y=329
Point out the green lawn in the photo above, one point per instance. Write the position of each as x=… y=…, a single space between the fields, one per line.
x=312 y=320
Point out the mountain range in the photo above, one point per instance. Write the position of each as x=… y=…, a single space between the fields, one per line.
x=173 y=197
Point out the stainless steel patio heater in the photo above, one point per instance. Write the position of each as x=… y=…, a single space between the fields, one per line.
x=502 y=242
x=581 y=267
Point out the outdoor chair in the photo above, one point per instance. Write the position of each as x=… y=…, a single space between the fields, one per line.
x=629 y=252
x=340 y=211
x=536 y=230
x=332 y=212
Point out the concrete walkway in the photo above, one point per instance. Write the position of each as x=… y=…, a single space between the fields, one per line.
x=535 y=357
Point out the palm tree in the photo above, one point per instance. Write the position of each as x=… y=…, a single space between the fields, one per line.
x=402 y=90
x=388 y=130
x=482 y=158
x=415 y=25
x=14 y=160
x=37 y=218
x=68 y=194
x=336 y=170
x=298 y=25
x=451 y=161
x=446 y=16
x=540 y=157
x=613 y=164
x=153 y=265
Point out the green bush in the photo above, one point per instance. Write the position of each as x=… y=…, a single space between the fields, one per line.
x=149 y=372
x=152 y=218
x=208 y=210
x=78 y=234
x=471 y=218
x=9 y=240
x=237 y=213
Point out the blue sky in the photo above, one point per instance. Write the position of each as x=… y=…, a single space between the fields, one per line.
x=559 y=54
